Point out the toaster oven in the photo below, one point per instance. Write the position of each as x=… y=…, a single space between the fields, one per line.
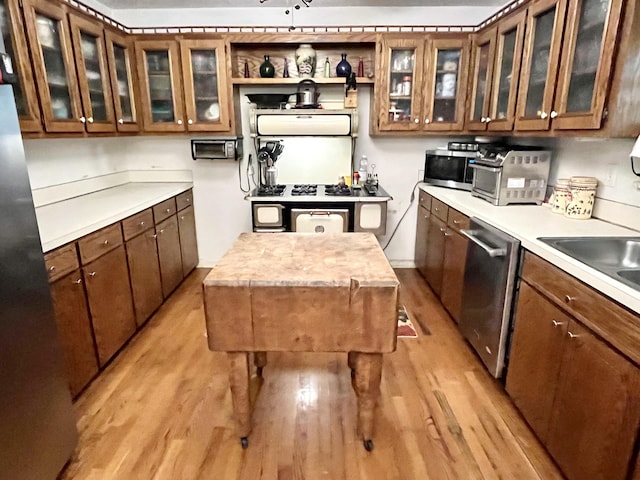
x=216 y=149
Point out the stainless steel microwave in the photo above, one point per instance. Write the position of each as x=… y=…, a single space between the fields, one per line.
x=217 y=149
x=449 y=168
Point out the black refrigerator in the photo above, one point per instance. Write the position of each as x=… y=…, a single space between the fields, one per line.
x=37 y=423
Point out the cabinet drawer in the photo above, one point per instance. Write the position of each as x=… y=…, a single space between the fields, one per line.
x=136 y=224
x=98 y=243
x=164 y=210
x=184 y=200
x=424 y=199
x=61 y=261
x=457 y=220
x=439 y=209
x=614 y=323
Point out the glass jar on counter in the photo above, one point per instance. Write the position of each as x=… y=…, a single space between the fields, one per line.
x=561 y=195
x=583 y=197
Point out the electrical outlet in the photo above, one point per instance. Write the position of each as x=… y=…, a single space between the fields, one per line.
x=610 y=179
x=420 y=175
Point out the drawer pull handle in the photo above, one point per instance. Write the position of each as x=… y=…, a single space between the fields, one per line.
x=106 y=242
x=92 y=274
x=52 y=268
x=569 y=299
x=78 y=281
x=556 y=323
x=572 y=335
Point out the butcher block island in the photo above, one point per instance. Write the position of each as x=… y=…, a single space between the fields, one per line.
x=298 y=292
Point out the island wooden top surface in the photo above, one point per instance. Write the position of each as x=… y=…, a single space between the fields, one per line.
x=303 y=259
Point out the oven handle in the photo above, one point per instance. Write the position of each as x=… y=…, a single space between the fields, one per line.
x=493 y=252
x=321 y=213
x=488 y=169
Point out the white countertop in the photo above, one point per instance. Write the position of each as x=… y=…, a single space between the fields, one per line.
x=528 y=222
x=68 y=220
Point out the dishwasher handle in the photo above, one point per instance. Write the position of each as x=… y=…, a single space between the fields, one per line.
x=493 y=252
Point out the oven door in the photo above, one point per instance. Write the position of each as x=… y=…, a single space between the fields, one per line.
x=319 y=221
x=486 y=182
x=268 y=217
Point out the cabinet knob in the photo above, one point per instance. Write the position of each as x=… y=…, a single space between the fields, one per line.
x=179 y=122
x=442 y=229
x=90 y=119
x=569 y=299
x=120 y=121
x=456 y=222
x=426 y=120
x=572 y=335
x=161 y=231
x=106 y=242
x=543 y=115
x=168 y=210
x=417 y=120
x=483 y=119
x=190 y=122
x=142 y=223
x=554 y=114
x=78 y=281
x=52 y=268
x=92 y=274
x=82 y=119
x=187 y=199
x=154 y=235
x=557 y=323
x=182 y=217
x=487 y=120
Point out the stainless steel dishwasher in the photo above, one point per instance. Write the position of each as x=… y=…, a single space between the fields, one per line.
x=489 y=286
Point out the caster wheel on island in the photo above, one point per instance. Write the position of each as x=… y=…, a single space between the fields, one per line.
x=244 y=441
x=368 y=445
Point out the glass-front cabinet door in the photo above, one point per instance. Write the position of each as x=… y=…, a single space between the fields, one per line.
x=123 y=77
x=401 y=100
x=446 y=62
x=205 y=85
x=506 y=72
x=16 y=46
x=585 y=70
x=160 y=85
x=540 y=64
x=93 y=77
x=52 y=55
x=483 y=52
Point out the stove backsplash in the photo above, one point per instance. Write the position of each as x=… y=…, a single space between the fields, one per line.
x=316 y=160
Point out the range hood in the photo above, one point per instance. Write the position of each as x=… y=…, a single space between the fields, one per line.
x=303 y=122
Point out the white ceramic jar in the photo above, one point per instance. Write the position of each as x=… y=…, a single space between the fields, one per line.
x=583 y=196
x=306 y=60
x=561 y=195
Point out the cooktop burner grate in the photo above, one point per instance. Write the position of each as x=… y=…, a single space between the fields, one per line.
x=304 y=190
x=271 y=190
x=338 y=190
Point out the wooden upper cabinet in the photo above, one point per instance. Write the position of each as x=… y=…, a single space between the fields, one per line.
x=446 y=66
x=483 y=54
x=15 y=43
x=160 y=85
x=541 y=57
x=587 y=57
x=91 y=63
x=204 y=70
x=506 y=72
x=54 y=66
x=123 y=76
x=399 y=100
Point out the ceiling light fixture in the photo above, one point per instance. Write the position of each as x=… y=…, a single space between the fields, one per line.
x=289 y=11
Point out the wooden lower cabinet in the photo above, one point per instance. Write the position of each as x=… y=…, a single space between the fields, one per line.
x=188 y=242
x=74 y=330
x=455 y=256
x=169 y=254
x=435 y=252
x=422 y=229
x=110 y=302
x=580 y=396
x=144 y=270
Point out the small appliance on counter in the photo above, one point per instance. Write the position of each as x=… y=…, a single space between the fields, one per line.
x=216 y=149
x=510 y=174
x=449 y=168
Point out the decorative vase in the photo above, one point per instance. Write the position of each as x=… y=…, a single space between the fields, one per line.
x=267 y=70
x=285 y=69
x=246 y=70
x=306 y=60
x=343 y=69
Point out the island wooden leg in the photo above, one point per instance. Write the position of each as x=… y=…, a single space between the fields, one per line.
x=368 y=375
x=239 y=384
x=260 y=361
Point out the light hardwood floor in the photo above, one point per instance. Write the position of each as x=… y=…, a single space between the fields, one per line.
x=162 y=409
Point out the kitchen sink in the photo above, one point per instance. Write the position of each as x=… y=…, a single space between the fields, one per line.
x=617 y=257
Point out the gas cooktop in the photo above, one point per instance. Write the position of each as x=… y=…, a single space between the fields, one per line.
x=319 y=192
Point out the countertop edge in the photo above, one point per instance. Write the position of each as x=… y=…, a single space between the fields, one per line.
x=617 y=291
x=172 y=190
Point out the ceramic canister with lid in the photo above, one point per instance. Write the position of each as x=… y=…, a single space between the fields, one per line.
x=561 y=195
x=583 y=195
